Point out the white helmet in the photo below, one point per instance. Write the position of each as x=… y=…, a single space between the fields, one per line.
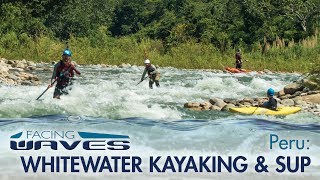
x=147 y=61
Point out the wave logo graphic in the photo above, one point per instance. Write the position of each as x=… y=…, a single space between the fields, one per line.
x=68 y=140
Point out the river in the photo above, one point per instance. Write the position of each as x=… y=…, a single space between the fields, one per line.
x=108 y=100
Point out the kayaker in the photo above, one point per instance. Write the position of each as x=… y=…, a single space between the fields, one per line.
x=63 y=73
x=153 y=73
x=272 y=102
x=238 y=59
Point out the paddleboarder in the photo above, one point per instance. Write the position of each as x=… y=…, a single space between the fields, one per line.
x=153 y=74
x=238 y=59
x=63 y=73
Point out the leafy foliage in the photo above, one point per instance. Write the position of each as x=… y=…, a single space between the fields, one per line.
x=263 y=28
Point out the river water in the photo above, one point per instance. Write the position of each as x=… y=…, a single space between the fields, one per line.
x=107 y=100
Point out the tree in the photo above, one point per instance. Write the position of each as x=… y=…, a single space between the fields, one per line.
x=302 y=12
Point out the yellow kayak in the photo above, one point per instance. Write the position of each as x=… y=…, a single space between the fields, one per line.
x=261 y=110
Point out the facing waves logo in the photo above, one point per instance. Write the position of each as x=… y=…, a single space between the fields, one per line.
x=60 y=141
x=57 y=140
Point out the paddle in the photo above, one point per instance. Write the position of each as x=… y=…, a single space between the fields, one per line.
x=46 y=89
x=142 y=80
x=255 y=109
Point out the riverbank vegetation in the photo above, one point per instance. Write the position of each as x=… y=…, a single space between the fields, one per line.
x=276 y=35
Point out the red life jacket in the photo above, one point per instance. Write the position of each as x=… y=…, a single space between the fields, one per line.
x=65 y=72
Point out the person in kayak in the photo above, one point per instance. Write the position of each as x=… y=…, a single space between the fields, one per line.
x=153 y=73
x=272 y=102
x=238 y=59
x=63 y=73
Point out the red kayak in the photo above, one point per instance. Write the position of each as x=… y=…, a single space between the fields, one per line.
x=235 y=70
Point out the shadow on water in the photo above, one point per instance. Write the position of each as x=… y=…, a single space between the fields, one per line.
x=177 y=125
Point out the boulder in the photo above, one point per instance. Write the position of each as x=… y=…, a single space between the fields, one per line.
x=215 y=108
x=230 y=101
x=287 y=96
x=191 y=105
x=280 y=93
x=205 y=105
x=311 y=84
x=20 y=65
x=287 y=102
x=26 y=83
x=292 y=88
x=227 y=107
x=299 y=102
x=313 y=98
x=217 y=102
x=248 y=100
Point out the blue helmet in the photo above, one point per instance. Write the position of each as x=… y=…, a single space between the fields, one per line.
x=67 y=52
x=270 y=92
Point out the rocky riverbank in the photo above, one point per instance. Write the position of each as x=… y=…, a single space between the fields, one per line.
x=295 y=94
x=20 y=72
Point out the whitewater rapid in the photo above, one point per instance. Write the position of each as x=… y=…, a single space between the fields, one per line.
x=113 y=93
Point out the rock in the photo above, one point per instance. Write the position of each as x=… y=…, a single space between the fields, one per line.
x=230 y=101
x=267 y=71
x=299 y=102
x=217 y=102
x=292 y=88
x=248 y=100
x=205 y=105
x=10 y=62
x=227 y=107
x=31 y=68
x=13 y=77
x=16 y=69
x=287 y=102
x=314 y=98
x=30 y=63
x=10 y=81
x=280 y=93
x=260 y=99
x=298 y=93
x=287 y=96
x=4 y=68
x=215 y=108
x=21 y=65
x=4 y=73
x=247 y=104
x=313 y=92
x=123 y=65
x=191 y=105
x=26 y=83
x=310 y=84
x=304 y=90
x=196 y=108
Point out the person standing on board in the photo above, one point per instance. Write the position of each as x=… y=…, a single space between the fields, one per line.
x=153 y=73
x=63 y=73
x=272 y=102
x=238 y=59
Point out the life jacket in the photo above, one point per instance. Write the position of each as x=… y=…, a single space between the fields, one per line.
x=150 y=69
x=64 y=73
x=238 y=56
x=272 y=104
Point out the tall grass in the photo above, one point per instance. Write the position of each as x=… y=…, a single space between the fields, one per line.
x=102 y=49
